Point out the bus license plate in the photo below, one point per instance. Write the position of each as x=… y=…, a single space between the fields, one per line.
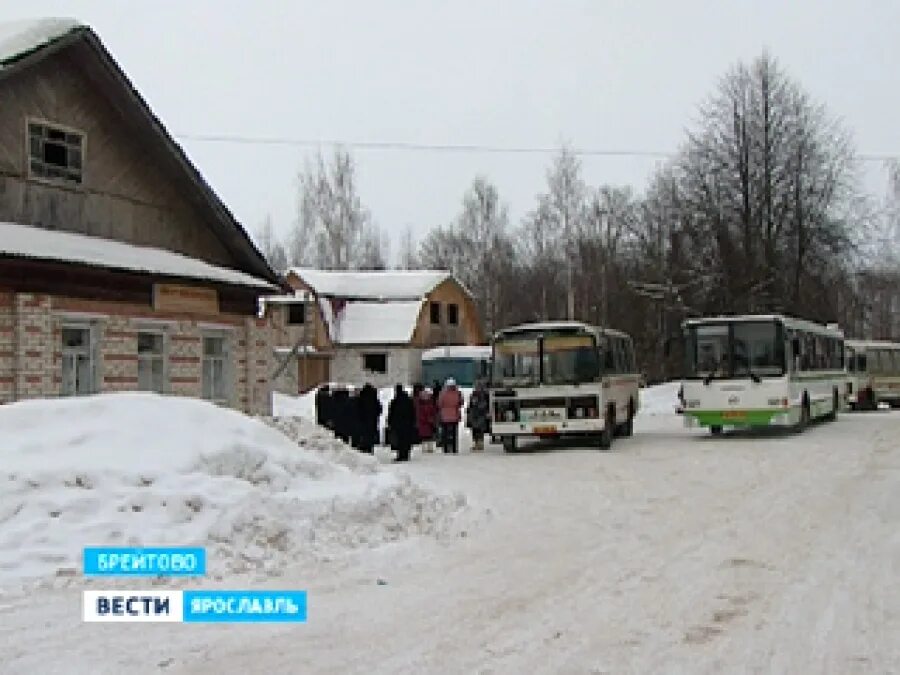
x=545 y=431
x=734 y=415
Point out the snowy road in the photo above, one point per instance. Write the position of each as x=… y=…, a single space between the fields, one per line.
x=676 y=552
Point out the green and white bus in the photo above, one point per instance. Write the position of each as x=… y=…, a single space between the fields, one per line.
x=873 y=371
x=562 y=378
x=760 y=371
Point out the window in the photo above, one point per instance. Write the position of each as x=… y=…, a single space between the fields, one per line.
x=214 y=369
x=151 y=362
x=296 y=314
x=55 y=153
x=435 y=309
x=79 y=375
x=375 y=363
x=453 y=315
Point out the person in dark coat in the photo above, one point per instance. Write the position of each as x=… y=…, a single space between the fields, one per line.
x=417 y=390
x=369 y=411
x=402 y=423
x=340 y=401
x=355 y=420
x=478 y=416
x=324 y=413
x=438 y=429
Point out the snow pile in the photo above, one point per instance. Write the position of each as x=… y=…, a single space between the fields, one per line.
x=660 y=399
x=146 y=470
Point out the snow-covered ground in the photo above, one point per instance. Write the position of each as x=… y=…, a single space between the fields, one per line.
x=146 y=470
x=676 y=552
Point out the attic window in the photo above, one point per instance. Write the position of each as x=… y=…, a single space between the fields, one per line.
x=296 y=314
x=435 y=313
x=55 y=153
x=453 y=314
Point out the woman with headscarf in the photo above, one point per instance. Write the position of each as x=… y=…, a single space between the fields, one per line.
x=478 y=416
x=426 y=412
x=450 y=404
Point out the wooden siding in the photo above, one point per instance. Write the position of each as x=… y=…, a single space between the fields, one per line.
x=468 y=330
x=128 y=191
x=321 y=340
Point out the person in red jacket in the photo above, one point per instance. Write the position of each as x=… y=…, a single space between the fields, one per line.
x=450 y=404
x=426 y=413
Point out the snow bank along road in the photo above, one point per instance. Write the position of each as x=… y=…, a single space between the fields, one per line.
x=676 y=552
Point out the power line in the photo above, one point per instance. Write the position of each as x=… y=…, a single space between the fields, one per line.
x=403 y=146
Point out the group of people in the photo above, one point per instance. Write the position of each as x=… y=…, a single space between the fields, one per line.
x=427 y=417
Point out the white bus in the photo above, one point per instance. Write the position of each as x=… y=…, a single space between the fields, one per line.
x=761 y=370
x=873 y=369
x=562 y=379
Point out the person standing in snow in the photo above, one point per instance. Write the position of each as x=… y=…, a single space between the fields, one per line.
x=323 y=407
x=369 y=411
x=402 y=423
x=416 y=393
x=340 y=406
x=478 y=416
x=450 y=403
x=438 y=430
x=426 y=412
x=355 y=420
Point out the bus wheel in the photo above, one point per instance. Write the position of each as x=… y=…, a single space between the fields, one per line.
x=804 y=415
x=627 y=428
x=835 y=402
x=606 y=435
x=509 y=444
x=715 y=430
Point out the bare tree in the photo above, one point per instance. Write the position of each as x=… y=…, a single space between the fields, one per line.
x=270 y=247
x=333 y=229
x=407 y=256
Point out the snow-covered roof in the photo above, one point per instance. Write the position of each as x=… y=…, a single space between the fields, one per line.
x=873 y=344
x=457 y=352
x=378 y=285
x=558 y=326
x=372 y=323
x=789 y=321
x=26 y=241
x=19 y=38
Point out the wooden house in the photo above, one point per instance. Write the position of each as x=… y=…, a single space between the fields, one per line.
x=374 y=326
x=120 y=268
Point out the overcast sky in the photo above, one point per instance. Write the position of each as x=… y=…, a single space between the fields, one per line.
x=598 y=75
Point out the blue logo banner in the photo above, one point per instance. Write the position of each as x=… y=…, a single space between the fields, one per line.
x=144 y=562
x=244 y=606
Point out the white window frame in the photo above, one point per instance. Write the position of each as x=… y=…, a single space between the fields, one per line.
x=225 y=359
x=68 y=354
x=53 y=180
x=163 y=356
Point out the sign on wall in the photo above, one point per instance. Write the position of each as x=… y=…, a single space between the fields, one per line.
x=174 y=298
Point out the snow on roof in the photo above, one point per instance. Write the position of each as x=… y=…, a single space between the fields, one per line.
x=373 y=323
x=557 y=326
x=457 y=352
x=18 y=38
x=377 y=285
x=26 y=241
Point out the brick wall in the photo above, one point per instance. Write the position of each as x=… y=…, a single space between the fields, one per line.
x=118 y=368
x=7 y=349
x=33 y=340
x=31 y=348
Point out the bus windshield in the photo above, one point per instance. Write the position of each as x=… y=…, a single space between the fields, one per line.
x=735 y=349
x=545 y=358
